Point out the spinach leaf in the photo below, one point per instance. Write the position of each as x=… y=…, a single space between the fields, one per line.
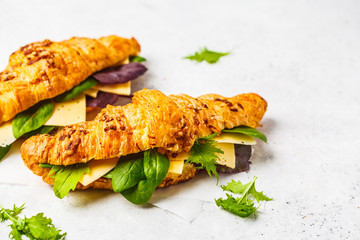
x=140 y=193
x=127 y=174
x=156 y=167
x=248 y=131
x=137 y=59
x=41 y=130
x=67 y=177
x=4 y=150
x=66 y=96
x=32 y=119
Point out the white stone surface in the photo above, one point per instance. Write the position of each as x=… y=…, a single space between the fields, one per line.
x=302 y=56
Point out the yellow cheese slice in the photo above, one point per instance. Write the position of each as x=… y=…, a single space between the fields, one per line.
x=6 y=134
x=91 y=92
x=228 y=158
x=180 y=157
x=237 y=138
x=176 y=166
x=98 y=168
x=120 y=89
x=70 y=112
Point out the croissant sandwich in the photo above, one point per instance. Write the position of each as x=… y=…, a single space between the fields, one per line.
x=155 y=141
x=43 y=73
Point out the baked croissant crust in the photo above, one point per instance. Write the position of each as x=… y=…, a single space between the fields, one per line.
x=153 y=120
x=43 y=70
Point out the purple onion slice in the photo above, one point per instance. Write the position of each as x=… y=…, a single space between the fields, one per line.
x=120 y=74
x=242 y=156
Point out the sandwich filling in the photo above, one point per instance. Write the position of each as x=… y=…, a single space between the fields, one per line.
x=136 y=176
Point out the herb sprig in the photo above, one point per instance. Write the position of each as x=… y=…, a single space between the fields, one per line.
x=36 y=227
x=244 y=205
x=205 y=153
x=206 y=55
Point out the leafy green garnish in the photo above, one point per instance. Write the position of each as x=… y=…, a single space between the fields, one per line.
x=127 y=174
x=137 y=59
x=32 y=119
x=156 y=167
x=241 y=209
x=204 y=152
x=35 y=227
x=244 y=205
x=45 y=165
x=42 y=130
x=84 y=85
x=249 y=189
x=207 y=55
x=4 y=150
x=247 y=131
x=67 y=177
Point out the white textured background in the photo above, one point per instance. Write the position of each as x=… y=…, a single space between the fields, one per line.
x=302 y=56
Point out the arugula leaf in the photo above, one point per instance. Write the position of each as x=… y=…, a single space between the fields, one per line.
x=42 y=130
x=232 y=205
x=67 y=177
x=248 y=131
x=243 y=206
x=207 y=55
x=127 y=174
x=246 y=189
x=4 y=150
x=36 y=227
x=156 y=167
x=137 y=59
x=84 y=85
x=204 y=152
x=6 y=214
x=32 y=119
x=41 y=227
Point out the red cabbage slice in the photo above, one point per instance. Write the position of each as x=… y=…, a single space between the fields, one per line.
x=104 y=98
x=101 y=100
x=120 y=74
x=242 y=156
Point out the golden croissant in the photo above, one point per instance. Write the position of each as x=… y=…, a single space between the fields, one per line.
x=43 y=70
x=153 y=120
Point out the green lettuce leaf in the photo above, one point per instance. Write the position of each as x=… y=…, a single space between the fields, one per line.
x=206 y=55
